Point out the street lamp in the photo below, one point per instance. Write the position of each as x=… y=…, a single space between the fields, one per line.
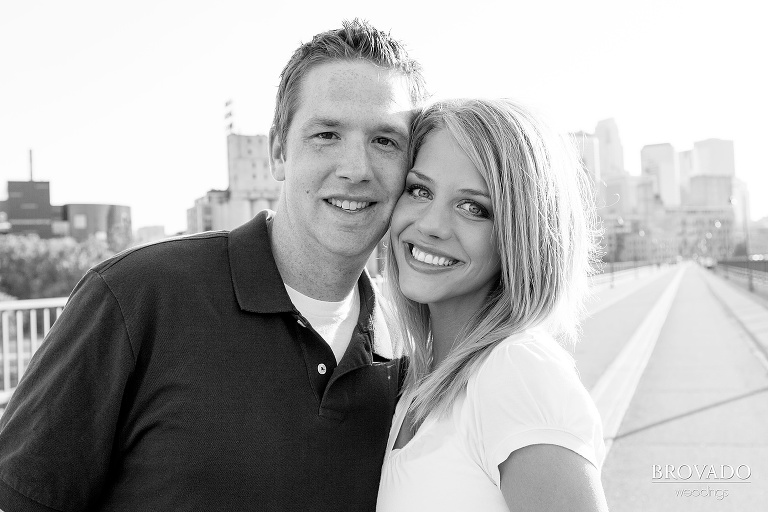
x=750 y=284
x=619 y=224
x=723 y=254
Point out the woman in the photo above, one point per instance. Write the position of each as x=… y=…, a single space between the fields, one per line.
x=490 y=248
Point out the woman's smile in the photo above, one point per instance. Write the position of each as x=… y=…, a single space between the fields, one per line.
x=444 y=226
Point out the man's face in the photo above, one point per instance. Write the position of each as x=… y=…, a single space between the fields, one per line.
x=344 y=157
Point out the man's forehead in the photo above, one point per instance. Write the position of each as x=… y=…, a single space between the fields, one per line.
x=357 y=81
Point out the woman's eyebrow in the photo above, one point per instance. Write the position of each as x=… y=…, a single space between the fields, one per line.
x=468 y=191
x=474 y=192
x=421 y=176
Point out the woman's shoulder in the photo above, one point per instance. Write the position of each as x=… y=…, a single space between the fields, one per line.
x=527 y=391
x=533 y=354
x=531 y=379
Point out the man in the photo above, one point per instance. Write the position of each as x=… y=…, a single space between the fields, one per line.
x=237 y=371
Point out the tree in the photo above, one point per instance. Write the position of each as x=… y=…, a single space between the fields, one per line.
x=31 y=267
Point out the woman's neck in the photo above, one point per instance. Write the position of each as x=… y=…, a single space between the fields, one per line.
x=447 y=320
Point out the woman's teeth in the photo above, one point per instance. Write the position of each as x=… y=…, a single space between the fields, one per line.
x=431 y=259
x=350 y=206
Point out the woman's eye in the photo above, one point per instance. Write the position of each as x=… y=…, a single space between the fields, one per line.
x=325 y=135
x=384 y=141
x=418 y=192
x=474 y=209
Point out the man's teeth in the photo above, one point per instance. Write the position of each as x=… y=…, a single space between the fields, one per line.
x=431 y=259
x=348 y=205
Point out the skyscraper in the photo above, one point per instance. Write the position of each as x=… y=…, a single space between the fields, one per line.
x=685 y=166
x=714 y=157
x=611 y=151
x=251 y=185
x=589 y=152
x=659 y=161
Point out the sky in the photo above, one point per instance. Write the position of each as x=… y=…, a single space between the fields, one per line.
x=123 y=102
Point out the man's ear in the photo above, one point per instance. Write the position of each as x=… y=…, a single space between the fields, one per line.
x=276 y=158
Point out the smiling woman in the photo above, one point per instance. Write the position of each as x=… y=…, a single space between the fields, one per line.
x=490 y=247
x=444 y=229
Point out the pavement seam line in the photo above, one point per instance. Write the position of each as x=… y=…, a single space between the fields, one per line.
x=742 y=316
x=614 y=390
x=637 y=285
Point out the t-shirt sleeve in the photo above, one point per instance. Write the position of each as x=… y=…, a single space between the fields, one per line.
x=528 y=392
x=57 y=433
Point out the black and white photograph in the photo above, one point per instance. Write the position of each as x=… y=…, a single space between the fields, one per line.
x=393 y=257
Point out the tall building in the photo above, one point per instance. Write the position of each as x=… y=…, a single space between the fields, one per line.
x=711 y=191
x=685 y=166
x=628 y=195
x=702 y=231
x=251 y=187
x=109 y=222
x=659 y=162
x=714 y=157
x=740 y=204
x=589 y=151
x=148 y=234
x=210 y=212
x=611 y=151
x=28 y=208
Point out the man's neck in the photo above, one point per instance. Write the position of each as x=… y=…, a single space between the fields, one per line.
x=312 y=270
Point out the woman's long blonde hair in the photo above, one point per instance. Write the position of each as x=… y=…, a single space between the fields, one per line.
x=544 y=229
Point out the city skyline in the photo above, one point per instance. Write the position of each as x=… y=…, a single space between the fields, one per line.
x=127 y=106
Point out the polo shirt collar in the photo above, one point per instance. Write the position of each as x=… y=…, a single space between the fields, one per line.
x=259 y=287
x=255 y=278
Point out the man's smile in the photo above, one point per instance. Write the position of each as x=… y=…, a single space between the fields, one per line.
x=349 y=205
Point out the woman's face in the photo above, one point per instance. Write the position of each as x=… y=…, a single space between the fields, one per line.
x=442 y=228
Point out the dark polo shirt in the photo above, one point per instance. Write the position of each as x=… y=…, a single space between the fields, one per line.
x=181 y=377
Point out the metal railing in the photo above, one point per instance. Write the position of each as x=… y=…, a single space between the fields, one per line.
x=24 y=324
x=754 y=272
x=613 y=273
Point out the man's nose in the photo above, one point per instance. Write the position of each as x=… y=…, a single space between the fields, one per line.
x=355 y=165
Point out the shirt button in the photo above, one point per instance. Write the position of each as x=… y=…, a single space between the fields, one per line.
x=321 y=369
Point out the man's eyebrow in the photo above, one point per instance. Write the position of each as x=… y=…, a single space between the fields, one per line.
x=323 y=121
x=391 y=129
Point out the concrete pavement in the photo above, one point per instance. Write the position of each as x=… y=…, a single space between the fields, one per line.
x=700 y=404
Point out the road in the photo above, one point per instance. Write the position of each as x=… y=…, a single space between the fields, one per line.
x=676 y=361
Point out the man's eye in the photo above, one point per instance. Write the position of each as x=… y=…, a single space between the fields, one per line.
x=384 y=141
x=474 y=209
x=326 y=135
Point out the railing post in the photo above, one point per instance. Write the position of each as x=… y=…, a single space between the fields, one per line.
x=46 y=321
x=25 y=346
x=19 y=345
x=33 y=344
x=6 y=353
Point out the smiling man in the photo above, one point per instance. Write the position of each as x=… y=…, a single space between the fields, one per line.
x=248 y=370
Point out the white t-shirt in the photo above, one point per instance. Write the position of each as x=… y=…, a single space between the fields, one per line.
x=526 y=392
x=334 y=321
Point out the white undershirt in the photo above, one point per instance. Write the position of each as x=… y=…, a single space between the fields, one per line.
x=334 y=321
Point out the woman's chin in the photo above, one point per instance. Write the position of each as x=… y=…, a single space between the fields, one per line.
x=417 y=293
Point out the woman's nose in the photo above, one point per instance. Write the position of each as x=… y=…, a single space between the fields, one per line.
x=434 y=221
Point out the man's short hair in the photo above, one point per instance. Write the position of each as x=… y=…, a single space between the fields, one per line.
x=357 y=39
